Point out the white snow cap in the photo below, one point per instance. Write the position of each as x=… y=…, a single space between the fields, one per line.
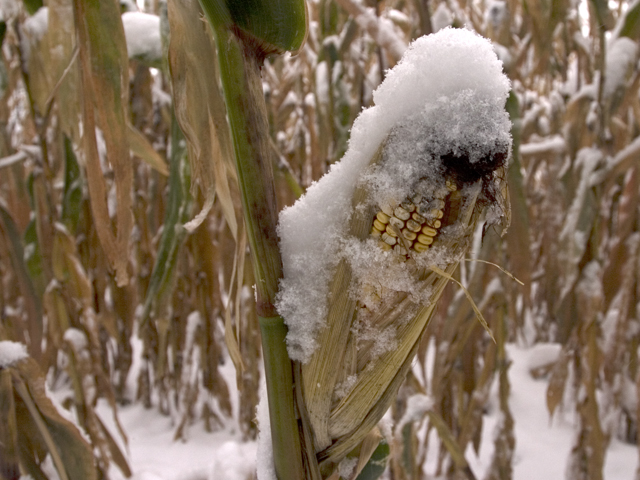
x=445 y=97
x=11 y=353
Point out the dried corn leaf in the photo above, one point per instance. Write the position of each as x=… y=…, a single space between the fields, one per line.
x=63 y=65
x=558 y=380
x=72 y=193
x=579 y=222
x=116 y=454
x=372 y=458
x=71 y=454
x=142 y=148
x=517 y=239
x=104 y=78
x=631 y=22
x=68 y=269
x=37 y=55
x=9 y=459
x=199 y=104
x=449 y=440
x=33 y=303
x=231 y=336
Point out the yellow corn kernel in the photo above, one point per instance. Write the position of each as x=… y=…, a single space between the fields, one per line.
x=437 y=204
x=418 y=218
x=437 y=214
x=419 y=247
x=401 y=213
x=451 y=186
x=427 y=230
x=375 y=232
x=413 y=225
x=388 y=239
x=409 y=235
x=435 y=223
x=424 y=239
x=408 y=206
x=385 y=246
x=382 y=217
x=387 y=210
x=424 y=212
x=400 y=250
x=378 y=225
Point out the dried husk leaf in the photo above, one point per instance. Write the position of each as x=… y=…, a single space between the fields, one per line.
x=323 y=371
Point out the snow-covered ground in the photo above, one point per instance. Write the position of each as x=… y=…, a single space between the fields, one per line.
x=542 y=446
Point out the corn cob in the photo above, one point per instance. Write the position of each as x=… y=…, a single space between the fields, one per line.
x=411 y=226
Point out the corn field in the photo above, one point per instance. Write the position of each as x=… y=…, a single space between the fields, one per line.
x=124 y=257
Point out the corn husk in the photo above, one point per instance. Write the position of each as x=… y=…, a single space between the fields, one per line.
x=340 y=425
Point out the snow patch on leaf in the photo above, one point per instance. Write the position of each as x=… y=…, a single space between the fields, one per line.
x=11 y=353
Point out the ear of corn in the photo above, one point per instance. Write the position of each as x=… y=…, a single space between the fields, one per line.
x=407 y=230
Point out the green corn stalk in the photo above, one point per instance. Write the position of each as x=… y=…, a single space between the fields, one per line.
x=173 y=235
x=245 y=32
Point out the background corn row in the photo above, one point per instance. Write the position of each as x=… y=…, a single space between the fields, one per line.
x=187 y=308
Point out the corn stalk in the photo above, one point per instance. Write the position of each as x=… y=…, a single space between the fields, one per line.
x=245 y=33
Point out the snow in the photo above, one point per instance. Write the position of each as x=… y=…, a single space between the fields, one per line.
x=265 y=466
x=142 y=32
x=383 y=31
x=542 y=444
x=154 y=455
x=11 y=353
x=9 y=9
x=417 y=406
x=76 y=338
x=552 y=144
x=496 y=13
x=34 y=29
x=442 y=17
x=36 y=25
x=622 y=54
x=445 y=97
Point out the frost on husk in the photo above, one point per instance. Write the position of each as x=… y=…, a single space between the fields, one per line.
x=438 y=117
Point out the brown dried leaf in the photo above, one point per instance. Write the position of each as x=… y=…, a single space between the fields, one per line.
x=104 y=78
x=199 y=104
x=64 y=65
x=141 y=147
x=9 y=461
x=231 y=337
x=72 y=455
x=558 y=380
